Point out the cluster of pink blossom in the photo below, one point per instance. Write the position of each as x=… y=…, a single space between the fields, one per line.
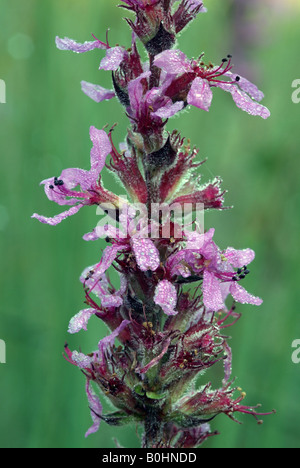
x=178 y=293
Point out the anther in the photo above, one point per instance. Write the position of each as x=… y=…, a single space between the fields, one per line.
x=51 y=187
x=149 y=274
x=238 y=78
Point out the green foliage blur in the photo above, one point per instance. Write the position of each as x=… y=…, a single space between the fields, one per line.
x=44 y=128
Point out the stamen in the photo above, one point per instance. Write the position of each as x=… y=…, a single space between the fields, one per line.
x=220 y=71
x=103 y=43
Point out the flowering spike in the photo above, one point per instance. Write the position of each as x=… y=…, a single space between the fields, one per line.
x=170 y=307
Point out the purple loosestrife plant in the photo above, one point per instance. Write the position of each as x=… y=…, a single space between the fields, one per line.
x=178 y=291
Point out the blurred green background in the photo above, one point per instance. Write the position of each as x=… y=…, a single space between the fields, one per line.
x=44 y=127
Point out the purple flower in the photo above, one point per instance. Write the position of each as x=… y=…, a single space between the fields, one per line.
x=125 y=65
x=87 y=363
x=194 y=81
x=217 y=269
x=148 y=108
x=103 y=290
x=133 y=241
x=62 y=191
x=114 y=55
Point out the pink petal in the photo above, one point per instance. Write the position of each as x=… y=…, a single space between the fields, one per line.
x=173 y=62
x=210 y=250
x=169 y=110
x=245 y=102
x=200 y=94
x=100 y=150
x=80 y=321
x=176 y=264
x=73 y=177
x=96 y=92
x=239 y=258
x=166 y=297
x=108 y=258
x=91 y=236
x=101 y=232
x=81 y=360
x=95 y=407
x=109 y=340
x=197 y=241
x=146 y=254
x=58 y=218
x=90 y=280
x=247 y=86
x=123 y=286
x=110 y=301
x=196 y=3
x=241 y=295
x=70 y=44
x=212 y=295
x=136 y=91
x=114 y=58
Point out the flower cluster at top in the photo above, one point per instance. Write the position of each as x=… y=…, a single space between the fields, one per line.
x=177 y=293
